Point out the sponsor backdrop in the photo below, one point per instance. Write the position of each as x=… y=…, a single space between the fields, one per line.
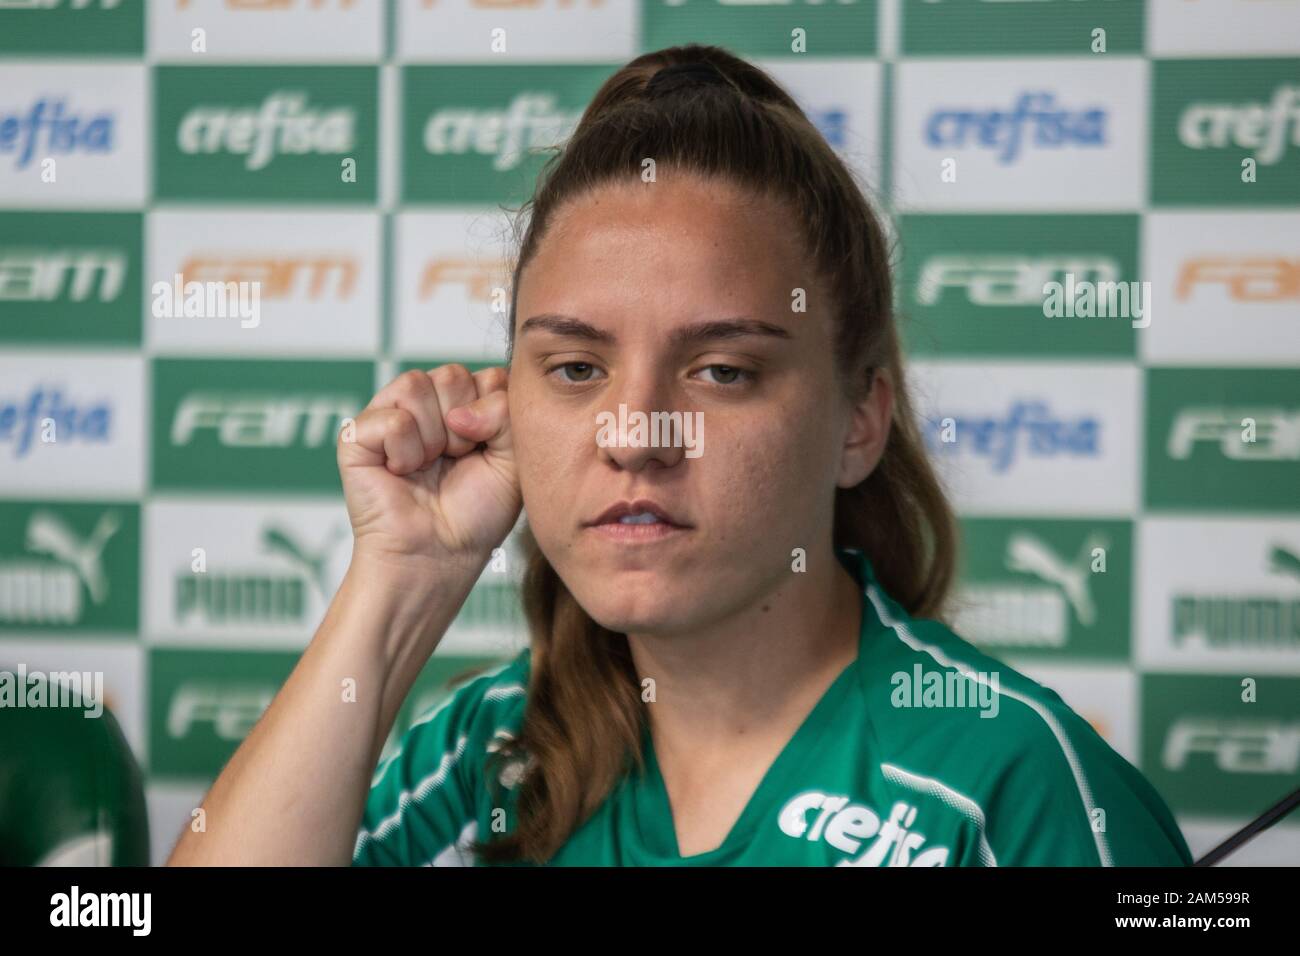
x=1124 y=447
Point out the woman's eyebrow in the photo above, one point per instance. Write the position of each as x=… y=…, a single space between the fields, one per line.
x=712 y=329
x=566 y=325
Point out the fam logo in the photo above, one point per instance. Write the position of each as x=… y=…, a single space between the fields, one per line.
x=203 y=702
x=70 y=277
x=228 y=710
x=260 y=595
x=1007 y=279
x=45 y=416
x=256 y=6
x=1252 y=278
x=1240 y=433
x=67 y=273
x=1223 y=438
x=857 y=829
x=1220 y=744
x=1028 y=425
x=1233 y=745
x=313 y=276
x=479 y=278
x=250 y=420
x=1000 y=2
x=1036 y=121
x=1243 y=621
x=267 y=424
x=51 y=128
x=55 y=4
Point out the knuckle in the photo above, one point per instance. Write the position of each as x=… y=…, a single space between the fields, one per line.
x=413 y=382
x=407 y=421
x=450 y=374
x=492 y=379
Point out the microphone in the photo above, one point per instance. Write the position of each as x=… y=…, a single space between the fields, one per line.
x=1251 y=830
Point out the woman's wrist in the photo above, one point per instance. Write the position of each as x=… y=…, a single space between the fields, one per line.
x=404 y=604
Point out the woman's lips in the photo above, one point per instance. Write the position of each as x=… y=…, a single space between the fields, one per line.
x=636 y=533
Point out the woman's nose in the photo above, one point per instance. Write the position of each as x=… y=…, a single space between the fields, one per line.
x=636 y=427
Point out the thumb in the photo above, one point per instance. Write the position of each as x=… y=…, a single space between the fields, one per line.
x=485 y=419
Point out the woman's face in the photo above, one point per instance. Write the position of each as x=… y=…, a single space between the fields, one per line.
x=614 y=309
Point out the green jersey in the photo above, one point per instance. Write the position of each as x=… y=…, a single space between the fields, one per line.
x=923 y=752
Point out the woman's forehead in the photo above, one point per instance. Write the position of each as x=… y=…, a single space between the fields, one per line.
x=629 y=241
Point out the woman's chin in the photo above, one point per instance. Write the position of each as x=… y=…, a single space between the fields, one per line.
x=642 y=613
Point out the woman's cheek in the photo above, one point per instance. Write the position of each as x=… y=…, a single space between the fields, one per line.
x=782 y=459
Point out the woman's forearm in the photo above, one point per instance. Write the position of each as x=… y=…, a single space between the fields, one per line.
x=294 y=791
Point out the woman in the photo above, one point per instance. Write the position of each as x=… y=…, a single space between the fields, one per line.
x=737 y=650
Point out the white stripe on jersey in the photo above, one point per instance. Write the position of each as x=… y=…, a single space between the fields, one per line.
x=905 y=635
x=458 y=853
x=955 y=799
x=407 y=797
x=495 y=693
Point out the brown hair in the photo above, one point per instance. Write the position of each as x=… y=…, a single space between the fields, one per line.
x=584 y=720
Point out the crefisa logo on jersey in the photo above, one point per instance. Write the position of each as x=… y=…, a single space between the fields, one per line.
x=1035 y=122
x=52 y=128
x=857 y=829
x=1028 y=424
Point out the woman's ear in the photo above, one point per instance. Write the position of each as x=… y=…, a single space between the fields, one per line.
x=868 y=431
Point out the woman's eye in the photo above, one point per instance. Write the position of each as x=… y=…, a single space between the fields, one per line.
x=728 y=374
x=584 y=371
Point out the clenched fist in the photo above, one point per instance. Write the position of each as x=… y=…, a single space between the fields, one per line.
x=430 y=475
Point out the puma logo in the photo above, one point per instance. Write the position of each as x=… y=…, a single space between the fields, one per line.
x=1030 y=554
x=47 y=533
x=311 y=563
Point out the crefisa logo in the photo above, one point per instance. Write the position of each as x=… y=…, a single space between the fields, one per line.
x=1036 y=122
x=1261 y=127
x=1028 y=424
x=285 y=122
x=52 y=128
x=45 y=417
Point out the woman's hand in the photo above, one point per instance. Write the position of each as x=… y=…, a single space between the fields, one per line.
x=430 y=477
